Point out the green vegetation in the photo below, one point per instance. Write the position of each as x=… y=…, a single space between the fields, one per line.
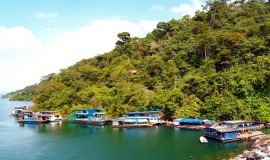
x=25 y=94
x=214 y=65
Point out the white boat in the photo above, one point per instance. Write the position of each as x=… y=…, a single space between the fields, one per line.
x=53 y=116
x=139 y=119
x=17 y=110
x=203 y=140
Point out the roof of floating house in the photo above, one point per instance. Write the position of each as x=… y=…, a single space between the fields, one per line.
x=226 y=126
x=238 y=122
x=222 y=129
x=193 y=121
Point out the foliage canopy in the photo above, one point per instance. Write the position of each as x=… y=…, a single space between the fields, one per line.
x=214 y=65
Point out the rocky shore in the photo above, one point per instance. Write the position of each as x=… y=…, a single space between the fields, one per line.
x=260 y=150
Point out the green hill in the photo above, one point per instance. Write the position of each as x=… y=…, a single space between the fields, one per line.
x=213 y=65
x=25 y=94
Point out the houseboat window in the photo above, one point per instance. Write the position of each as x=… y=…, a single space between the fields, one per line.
x=98 y=115
x=81 y=116
x=84 y=111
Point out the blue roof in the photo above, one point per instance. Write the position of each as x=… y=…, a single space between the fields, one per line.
x=194 y=121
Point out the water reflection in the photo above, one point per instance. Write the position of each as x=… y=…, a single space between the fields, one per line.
x=43 y=127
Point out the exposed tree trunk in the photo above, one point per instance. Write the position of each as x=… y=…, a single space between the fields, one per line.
x=205 y=53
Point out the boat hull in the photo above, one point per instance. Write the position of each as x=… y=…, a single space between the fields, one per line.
x=29 y=121
x=102 y=122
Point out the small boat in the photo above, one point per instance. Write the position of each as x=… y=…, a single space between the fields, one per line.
x=17 y=110
x=203 y=140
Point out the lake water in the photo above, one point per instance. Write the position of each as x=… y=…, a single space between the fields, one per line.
x=71 y=141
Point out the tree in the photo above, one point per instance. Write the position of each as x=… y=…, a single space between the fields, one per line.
x=123 y=36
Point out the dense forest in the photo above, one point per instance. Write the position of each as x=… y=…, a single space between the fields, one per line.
x=214 y=65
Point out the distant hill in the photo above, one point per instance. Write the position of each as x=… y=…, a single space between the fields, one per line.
x=25 y=94
x=214 y=65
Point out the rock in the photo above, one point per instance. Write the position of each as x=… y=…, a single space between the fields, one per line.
x=259 y=154
x=260 y=151
x=250 y=156
x=257 y=141
x=246 y=153
x=265 y=150
x=267 y=141
x=256 y=145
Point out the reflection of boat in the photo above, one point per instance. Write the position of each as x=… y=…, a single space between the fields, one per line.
x=53 y=116
x=17 y=111
x=139 y=119
x=203 y=140
x=27 y=116
x=89 y=116
x=228 y=131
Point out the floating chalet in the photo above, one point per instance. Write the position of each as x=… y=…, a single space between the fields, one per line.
x=94 y=116
x=186 y=123
x=27 y=116
x=228 y=131
x=139 y=119
x=17 y=110
x=53 y=116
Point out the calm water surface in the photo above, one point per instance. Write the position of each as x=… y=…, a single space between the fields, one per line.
x=71 y=141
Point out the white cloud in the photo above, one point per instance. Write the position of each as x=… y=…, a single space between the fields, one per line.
x=17 y=38
x=50 y=30
x=65 y=50
x=148 y=26
x=42 y=15
x=156 y=8
x=189 y=9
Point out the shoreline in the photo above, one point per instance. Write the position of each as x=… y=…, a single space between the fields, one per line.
x=260 y=150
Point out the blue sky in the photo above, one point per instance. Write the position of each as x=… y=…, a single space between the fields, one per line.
x=39 y=37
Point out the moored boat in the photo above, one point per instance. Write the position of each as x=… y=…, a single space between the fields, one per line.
x=139 y=119
x=27 y=116
x=187 y=123
x=17 y=110
x=53 y=116
x=94 y=116
x=203 y=140
x=228 y=131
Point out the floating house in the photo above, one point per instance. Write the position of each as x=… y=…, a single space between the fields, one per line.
x=89 y=116
x=27 y=116
x=17 y=110
x=187 y=123
x=53 y=116
x=227 y=131
x=139 y=119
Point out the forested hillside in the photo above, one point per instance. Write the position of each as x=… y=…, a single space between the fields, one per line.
x=25 y=94
x=213 y=65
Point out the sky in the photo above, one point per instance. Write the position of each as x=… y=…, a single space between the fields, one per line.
x=39 y=37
